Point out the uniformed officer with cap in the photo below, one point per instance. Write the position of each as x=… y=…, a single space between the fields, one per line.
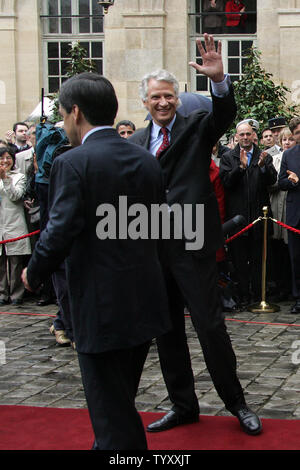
x=276 y=125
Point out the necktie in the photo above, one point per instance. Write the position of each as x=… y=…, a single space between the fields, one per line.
x=165 y=143
x=249 y=155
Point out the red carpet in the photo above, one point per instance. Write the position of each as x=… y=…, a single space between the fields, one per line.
x=34 y=428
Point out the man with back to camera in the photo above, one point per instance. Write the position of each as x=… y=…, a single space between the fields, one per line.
x=183 y=147
x=117 y=294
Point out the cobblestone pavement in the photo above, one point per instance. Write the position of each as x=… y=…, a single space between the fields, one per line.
x=34 y=371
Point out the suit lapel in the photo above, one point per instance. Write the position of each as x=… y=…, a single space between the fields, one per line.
x=176 y=131
x=178 y=127
x=145 y=139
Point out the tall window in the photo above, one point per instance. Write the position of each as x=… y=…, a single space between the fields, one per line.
x=65 y=21
x=236 y=39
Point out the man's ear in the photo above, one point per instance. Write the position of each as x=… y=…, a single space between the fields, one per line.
x=77 y=115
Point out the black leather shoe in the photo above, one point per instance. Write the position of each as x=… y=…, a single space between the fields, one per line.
x=170 y=420
x=44 y=302
x=243 y=302
x=296 y=308
x=249 y=421
x=95 y=446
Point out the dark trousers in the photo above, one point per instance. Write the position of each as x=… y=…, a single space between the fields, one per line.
x=63 y=319
x=110 y=383
x=47 y=290
x=246 y=255
x=294 y=250
x=280 y=266
x=193 y=281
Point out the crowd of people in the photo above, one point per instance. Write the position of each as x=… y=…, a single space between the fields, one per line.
x=98 y=285
x=237 y=194
x=246 y=196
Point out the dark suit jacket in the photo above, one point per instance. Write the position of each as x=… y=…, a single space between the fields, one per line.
x=291 y=161
x=186 y=163
x=246 y=191
x=116 y=286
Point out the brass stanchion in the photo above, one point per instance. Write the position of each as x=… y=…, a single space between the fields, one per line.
x=263 y=306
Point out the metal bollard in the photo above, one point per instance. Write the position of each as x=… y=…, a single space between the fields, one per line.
x=263 y=306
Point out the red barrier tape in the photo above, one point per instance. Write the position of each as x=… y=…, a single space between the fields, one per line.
x=20 y=238
x=29 y=314
x=261 y=322
x=255 y=322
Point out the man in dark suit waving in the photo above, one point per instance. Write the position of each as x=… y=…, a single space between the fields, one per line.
x=183 y=147
x=116 y=287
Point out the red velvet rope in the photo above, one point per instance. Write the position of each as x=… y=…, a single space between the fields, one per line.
x=227 y=241
x=295 y=230
x=292 y=229
x=20 y=238
x=240 y=232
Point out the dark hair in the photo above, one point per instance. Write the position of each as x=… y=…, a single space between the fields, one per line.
x=264 y=130
x=93 y=94
x=294 y=122
x=4 y=150
x=125 y=122
x=19 y=124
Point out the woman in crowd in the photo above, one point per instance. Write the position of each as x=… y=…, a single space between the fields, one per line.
x=12 y=225
x=213 y=22
x=280 y=260
x=236 y=16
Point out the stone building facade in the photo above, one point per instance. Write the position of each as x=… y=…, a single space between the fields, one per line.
x=135 y=37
